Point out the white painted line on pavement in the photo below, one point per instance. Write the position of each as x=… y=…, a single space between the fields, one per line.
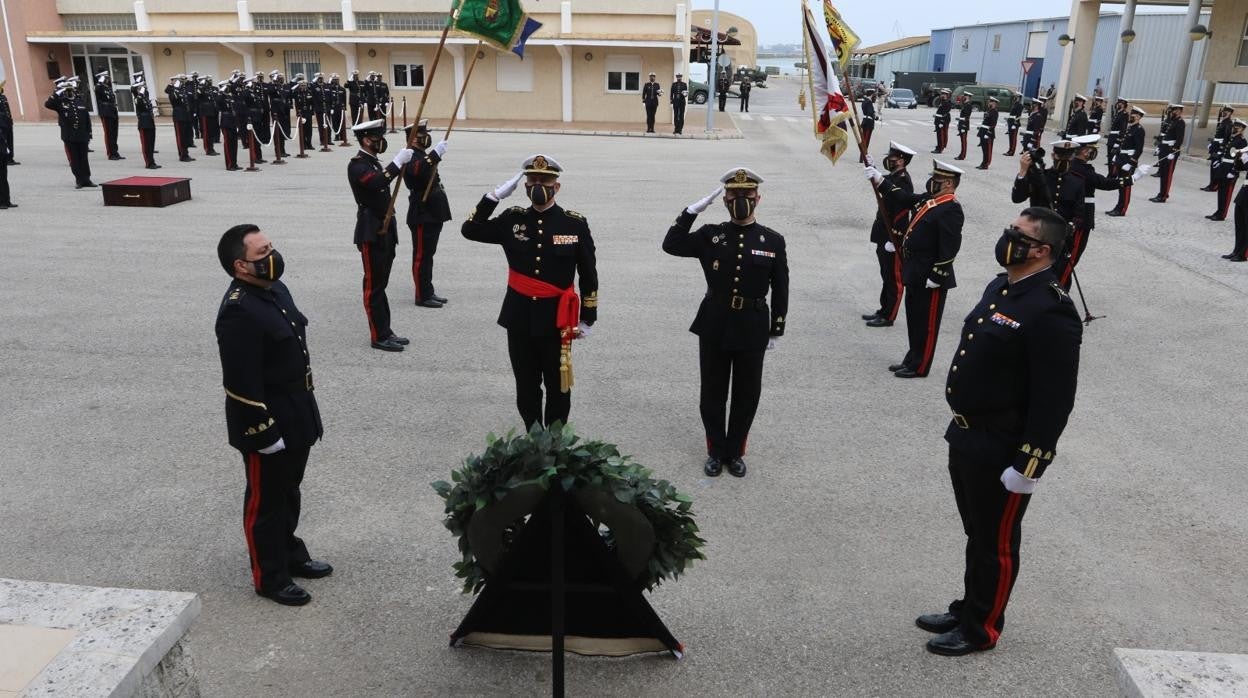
x=768 y=118
x=745 y=117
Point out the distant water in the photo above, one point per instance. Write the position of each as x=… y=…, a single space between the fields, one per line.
x=784 y=64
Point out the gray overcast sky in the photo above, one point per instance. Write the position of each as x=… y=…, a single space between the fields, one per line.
x=877 y=21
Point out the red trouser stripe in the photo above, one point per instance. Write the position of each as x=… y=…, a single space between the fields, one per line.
x=962 y=137
x=109 y=146
x=177 y=136
x=988 y=152
x=1226 y=200
x=892 y=312
x=1165 y=191
x=929 y=346
x=225 y=146
x=1074 y=257
x=417 y=258
x=1126 y=198
x=204 y=133
x=1005 y=565
x=251 y=510
x=368 y=291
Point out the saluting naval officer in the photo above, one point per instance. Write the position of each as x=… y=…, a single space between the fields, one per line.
x=270 y=410
x=425 y=215
x=1011 y=387
x=890 y=222
x=929 y=246
x=549 y=249
x=741 y=260
x=370 y=185
x=75 y=123
x=106 y=107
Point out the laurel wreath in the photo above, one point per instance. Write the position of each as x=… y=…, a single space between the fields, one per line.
x=556 y=457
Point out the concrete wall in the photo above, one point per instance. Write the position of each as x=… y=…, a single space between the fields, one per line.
x=589 y=85
x=747 y=52
x=942 y=43
x=28 y=85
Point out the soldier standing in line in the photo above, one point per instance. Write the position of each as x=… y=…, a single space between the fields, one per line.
x=1240 y=252
x=867 y=125
x=1035 y=125
x=190 y=92
x=1095 y=114
x=75 y=122
x=106 y=107
x=1168 y=150
x=181 y=117
x=941 y=120
x=279 y=106
x=929 y=246
x=145 y=119
x=650 y=93
x=742 y=260
x=232 y=117
x=270 y=410
x=744 y=89
x=320 y=105
x=1220 y=134
x=383 y=97
x=301 y=95
x=988 y=133
x=425 y=215
x=370 y=185
x=1011 y=387
x=1117 y=127
x=6 y=128
x=6 y=199
x=256 y=127
x=1077 y=122
x=890 y=222
x=722 y=85
x=679 y=97
x=1130 y=148
x=541 y=310
x=965 y=108
x=1225 y=171
x=369 y=92
x=1012 y=121
x=337 y=109
x=264 y=127
x=355 y=89
x=209 y=115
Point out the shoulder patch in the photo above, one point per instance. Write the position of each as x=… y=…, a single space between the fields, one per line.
x=235 y=296
x=573 y=214
x=517 y=209
x=1062 y=295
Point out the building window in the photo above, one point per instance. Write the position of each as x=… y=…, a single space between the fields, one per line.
x=1243 y=48
x=408 y=71
x=623 y=73
x=513 y=74
x=296 y=21
x=996 y=42
x=306 y=62
x=400 y=21
x=99 y=23
x=966 y=43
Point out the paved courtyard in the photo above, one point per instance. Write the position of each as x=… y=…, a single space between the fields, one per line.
x=114 y=467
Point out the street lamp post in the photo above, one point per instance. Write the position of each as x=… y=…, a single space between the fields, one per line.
x=712 y=70
x=1120 y=52
x=1197 y=34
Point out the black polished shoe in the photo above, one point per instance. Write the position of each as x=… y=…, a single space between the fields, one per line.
x=1229 y=256
x=87 y=183
x=12 y=162
x=400 y=340
x=981 y=167
x=896 y=367
x=186 y=159
x=870 y=316
x=937 y=622
x=953 y=644
x=235 y=168
x=712 y=467
x=312 y=569
x=13 y=205
x=904 y=372
x=115 y=157
x=1209 y=188
x=1215 y=217
x=429 y=303
x=153 y=167
x=880 y=322
x=1114 y=213
x=736 y=467
x=437 y=298
x=388 y=344
x=1157 y=200
x=290 y=595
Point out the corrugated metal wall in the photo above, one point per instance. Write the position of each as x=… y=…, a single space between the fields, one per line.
x=913 y=58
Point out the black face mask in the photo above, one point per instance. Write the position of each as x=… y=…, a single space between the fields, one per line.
x=1061 y=165
x=741 y=208
x=1013 y=247
x=381 y=144
x=893 y=164
x=933 y=186
x=269 y=267
x=423 y=141
x=540 y=194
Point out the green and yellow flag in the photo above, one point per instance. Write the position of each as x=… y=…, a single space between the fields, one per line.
x=844 y=40
x=502 y=24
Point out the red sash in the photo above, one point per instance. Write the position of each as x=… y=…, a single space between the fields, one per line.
x=569 y=314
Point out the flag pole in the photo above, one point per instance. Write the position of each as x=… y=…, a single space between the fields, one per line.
x=476 y=53
x=424 y=97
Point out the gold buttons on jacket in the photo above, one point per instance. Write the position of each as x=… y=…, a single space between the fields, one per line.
x=992 y=306
x=980 y=321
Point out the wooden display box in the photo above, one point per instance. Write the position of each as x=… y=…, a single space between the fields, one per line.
x=156 y=192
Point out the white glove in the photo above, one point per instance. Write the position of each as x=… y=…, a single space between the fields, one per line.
x=584 y=330
x=1145 y=170
x=870 y=161
x=890 y=247
x=440 y=149
x=1230 y=175
x=505 y=189
x=279 y=445
x=773 y=343
x=1018 y=483
x=873 y=174
x=1171 y=156
x=1156 y=152
x=932 y=284
x=403 y=157
x=1126 y=167
x=701 y=204
x=1139 y=174
x=1243 y=157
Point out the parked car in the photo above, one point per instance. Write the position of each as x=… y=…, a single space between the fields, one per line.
x=757 y=76
x=932 y=89
x=858 y=85
x=901 y=98
x=699 y=92
x=979 y=95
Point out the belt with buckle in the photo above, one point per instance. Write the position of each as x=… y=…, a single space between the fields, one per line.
x=304 y=385
x=960 y=421
x=742 y=302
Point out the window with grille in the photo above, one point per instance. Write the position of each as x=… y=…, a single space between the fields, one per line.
x=306 y=62
x=296 y=21
x=408 y=71
x=400 y=21
x=1243 y=48
x=99 y=22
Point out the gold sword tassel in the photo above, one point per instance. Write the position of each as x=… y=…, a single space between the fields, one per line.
x=565 y=363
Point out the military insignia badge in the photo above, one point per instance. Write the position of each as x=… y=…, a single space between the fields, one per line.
x=1006 y=321
x=539 y=163
x=715 y=240
x=740 y=177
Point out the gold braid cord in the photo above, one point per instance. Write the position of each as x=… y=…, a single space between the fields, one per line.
x=565 y=361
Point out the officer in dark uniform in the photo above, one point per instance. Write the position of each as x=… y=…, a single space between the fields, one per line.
x=940 y=121
x=929 y=245
x=301 y=95
x=988 y=133
x=232 y=117
x=181 y=117
x=1077 y=122
x=355 y=96
x=382 y=91
x=425 y=215
x=209 y=115
x=1095 y=114
x=1011 y=387
x=369 y=91
x=1117 y=128
x=270 y=410
x=257 y=126
x=6 y=199
x=337 y=105
x=965 y=108
x=1035 y=124
x=370 y=185
x=263 y=124
x=75 y=123
x=1012 y=121
x=722 y=85
x=6 y=128
x=190 y=92
x=1127 y=162
x=1220 y=135
x=541 y=311
x=1225 y=169
x=890 y=223
x=1240 y=252
x=679 y=97
x=867 y=122
x=279 y=105
x=145 y=119
x=741 y=260
x=1168 y=150
x=106 y=107
x=320 y=106
x=744 y=88
x=650 y=93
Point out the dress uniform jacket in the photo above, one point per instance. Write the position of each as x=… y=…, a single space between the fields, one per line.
x=740 y=263
x=1130 y=147
x=898 y=215
x=1095 y=115
x=143 y=111
x=1172 y=141
x=227 y=108
x=1117 y=129
x=1220 y=134
x=930 y=245
x=1013 y=378
x=105 y=101
x=177 y=101
x=868 y=113
x=370 y=185
x=435 y=209
x=941 y=118
x=1016 y=114
x=988 y=128
x=1224 y=157
x=1035 y=124
x=1092 y=182
x=267 y=372
x=1061 y=192
x=1077 y=124
x=552 y=246
x=73 y=118
x=964 y=117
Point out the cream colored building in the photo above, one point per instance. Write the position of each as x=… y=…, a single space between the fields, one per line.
x=744 y=55
x=586 y=63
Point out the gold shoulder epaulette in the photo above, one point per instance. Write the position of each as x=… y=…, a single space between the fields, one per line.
x=1062 y=295
x=517 y=209
x=573 y=214
x=235 y=297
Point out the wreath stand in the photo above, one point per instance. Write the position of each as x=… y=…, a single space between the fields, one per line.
x=559 y=586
